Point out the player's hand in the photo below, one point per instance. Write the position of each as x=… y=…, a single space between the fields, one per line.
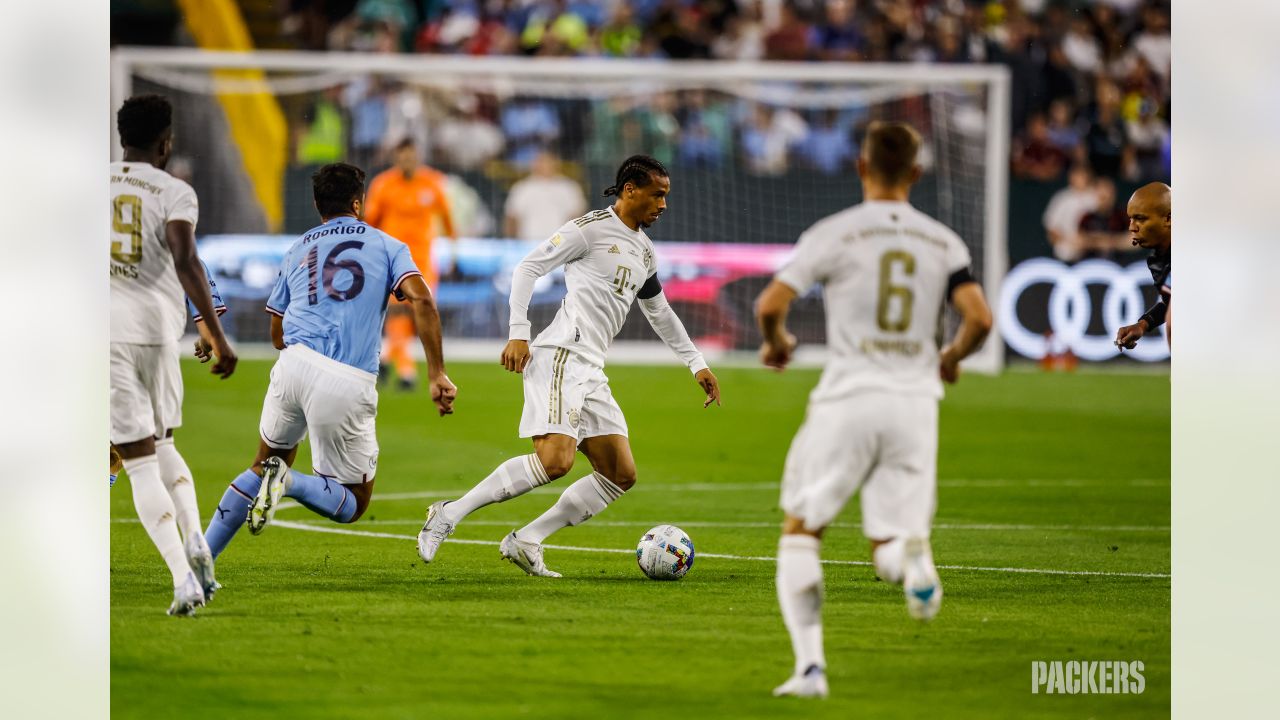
x=515 y=355
x=707 y=381
x=204 y=350
x=778 y=355
x=948 y=365
x=1127 y=337
x=225 y=362
x=443 y=393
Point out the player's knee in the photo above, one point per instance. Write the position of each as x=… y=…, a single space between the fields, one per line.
x=624 y=477
x=556 y=463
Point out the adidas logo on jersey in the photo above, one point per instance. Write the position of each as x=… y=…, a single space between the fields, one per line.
x=614 y=250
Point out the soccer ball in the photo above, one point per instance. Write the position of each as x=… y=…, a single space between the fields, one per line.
x=665 y=553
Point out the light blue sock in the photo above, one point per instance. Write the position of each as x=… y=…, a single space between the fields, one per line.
x=232 y=511
x=323 y=496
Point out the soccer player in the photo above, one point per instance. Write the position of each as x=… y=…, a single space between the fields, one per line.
x=872 y=422
x=153 y=264
x=568 y=406
x=1150 y=227
x=407 y=202
x=326 y=312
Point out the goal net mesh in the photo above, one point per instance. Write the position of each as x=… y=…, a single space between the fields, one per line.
x=754 y=161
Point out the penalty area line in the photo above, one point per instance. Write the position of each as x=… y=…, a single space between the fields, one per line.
x=718 y=556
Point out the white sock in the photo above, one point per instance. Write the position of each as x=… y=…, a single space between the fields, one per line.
x=155 y=510
x=512 y=478
x=580 y=502
x=181 y=486
x=799 y=582
x=889 y=559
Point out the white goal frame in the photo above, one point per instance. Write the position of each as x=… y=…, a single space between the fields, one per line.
x=990 y=359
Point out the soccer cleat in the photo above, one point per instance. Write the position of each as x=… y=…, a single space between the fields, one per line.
x=187 y=597
x=433 y=532
x=811 y=684
x=275 y=474
x=200 y=559
x=526 y=555
x=920 y=581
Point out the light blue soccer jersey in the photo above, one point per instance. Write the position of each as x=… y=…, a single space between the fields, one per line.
x=333 y=287
x=219 y=307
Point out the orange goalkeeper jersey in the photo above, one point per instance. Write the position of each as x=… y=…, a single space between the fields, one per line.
x=408 y=209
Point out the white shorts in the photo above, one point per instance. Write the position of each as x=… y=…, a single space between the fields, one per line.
x=885 y=444
x=564 y=394
x=332 y=402
x=146 y=391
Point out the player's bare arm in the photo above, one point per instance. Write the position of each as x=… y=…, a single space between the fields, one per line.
x=204 y=343
x=975 y=325
x=181 y=238
x=277 y=332
x=771 y=316
x=710 y=385
x=427 y=319
x=515 y=355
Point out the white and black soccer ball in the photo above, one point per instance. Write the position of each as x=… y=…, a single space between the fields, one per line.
x=665 y=553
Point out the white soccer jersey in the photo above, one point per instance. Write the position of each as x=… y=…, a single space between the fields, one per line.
x=148 y=306
x=606 y=264
x=885 y=268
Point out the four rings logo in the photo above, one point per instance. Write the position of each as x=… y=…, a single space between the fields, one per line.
x=1071 y=309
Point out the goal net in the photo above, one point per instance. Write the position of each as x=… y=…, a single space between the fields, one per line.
x=757 y=153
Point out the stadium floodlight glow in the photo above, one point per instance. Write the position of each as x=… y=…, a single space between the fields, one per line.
x=1070 y=308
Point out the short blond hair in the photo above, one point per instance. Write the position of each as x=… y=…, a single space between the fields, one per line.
x=890 y=149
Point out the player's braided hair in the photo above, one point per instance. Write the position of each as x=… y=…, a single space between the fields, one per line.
x=142 y=119
x=636 y=170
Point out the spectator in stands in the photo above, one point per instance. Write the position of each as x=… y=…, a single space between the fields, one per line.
x=837 y=37
x=541 y=202
x=1148 y=135
x=555 y=30
x=1104 y=231
x=1081 y=45
x=1104 y=141
x=1065 y=210
x=367 y=100
x=406 y=118
x=768 y=138
x=829 y=147
x=323 y=139
x=789 y=40
x=682 y=35
x=1153 y=42
x=706 y=130
x=743 y=37
x=529 y=126
x=621 y=36
x=1036 y=157
x=471 y=217
x=1063 y=132
x=466 y=140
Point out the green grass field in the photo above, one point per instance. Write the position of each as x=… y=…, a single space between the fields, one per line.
x=1064 y=473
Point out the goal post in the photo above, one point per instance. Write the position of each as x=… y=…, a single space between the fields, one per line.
x=757 y=151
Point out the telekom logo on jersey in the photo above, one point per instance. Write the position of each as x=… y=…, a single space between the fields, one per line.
x=1071 y=310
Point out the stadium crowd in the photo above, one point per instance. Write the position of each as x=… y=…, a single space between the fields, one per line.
x=1090 y=77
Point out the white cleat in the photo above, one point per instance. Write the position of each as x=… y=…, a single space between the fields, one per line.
x=526 y=555
x=187 y=597
x=920 y=581
x=275 y=474
x=434 y=531
x=200 y=558
x=812 y=684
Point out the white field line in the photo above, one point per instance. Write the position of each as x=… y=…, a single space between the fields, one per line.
x=774 y=486
x=774 y=525
x=755 y=558
x=624 y=551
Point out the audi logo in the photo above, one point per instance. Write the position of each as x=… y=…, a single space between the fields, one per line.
x=1070 y=308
